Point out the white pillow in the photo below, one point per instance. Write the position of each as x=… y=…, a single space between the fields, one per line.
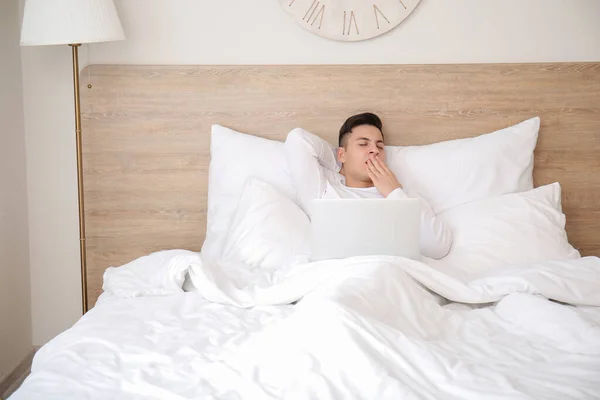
x=234 y=158
x=454 y=172
x=513 y=229
x=268 y=230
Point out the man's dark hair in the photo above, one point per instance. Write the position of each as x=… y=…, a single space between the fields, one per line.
x=358 y=120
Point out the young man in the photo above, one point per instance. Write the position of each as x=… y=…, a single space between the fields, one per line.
x=360 y=173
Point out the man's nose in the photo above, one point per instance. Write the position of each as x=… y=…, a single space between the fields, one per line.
x=374 y=150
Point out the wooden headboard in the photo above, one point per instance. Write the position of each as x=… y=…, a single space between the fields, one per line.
x=146 y=132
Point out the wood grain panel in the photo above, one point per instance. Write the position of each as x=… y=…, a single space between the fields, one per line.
x=147 y=132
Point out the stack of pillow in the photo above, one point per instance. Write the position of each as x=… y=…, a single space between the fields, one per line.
x=482 y=187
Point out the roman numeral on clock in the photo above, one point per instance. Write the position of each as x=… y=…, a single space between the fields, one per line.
x=350 y=19
x=310 y=17
x=377 y=14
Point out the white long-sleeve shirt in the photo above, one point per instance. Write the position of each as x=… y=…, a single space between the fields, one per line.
x=315 y=172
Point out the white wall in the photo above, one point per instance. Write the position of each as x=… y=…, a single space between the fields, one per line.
x=251 y=32
x=15 y=301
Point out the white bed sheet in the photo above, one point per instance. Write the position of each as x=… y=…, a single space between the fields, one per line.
x=365 y=328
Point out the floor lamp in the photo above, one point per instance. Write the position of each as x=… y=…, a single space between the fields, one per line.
x=73 y=23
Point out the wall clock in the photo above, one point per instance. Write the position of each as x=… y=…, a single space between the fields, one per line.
x=349 y=20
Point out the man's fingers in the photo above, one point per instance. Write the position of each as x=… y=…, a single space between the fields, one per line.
x=376 y=165
x=372 y=170
x=386 y=168
x=381 y=165
x=370 y=165
x=371 y=175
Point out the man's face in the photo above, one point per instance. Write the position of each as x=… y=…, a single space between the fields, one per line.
x=363 y=142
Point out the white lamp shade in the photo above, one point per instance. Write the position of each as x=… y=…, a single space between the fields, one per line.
x=47 y=22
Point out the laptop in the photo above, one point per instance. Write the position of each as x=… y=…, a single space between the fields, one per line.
x=342 y=228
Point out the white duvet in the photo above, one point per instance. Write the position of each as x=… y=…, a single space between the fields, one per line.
x=360 y=328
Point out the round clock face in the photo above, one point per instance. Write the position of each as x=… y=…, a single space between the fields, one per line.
x=349 y=20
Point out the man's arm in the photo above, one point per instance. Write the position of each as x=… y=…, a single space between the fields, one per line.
x=436 y=237
x=306 y=154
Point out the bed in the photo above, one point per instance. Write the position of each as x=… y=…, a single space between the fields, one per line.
x=514 y=314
